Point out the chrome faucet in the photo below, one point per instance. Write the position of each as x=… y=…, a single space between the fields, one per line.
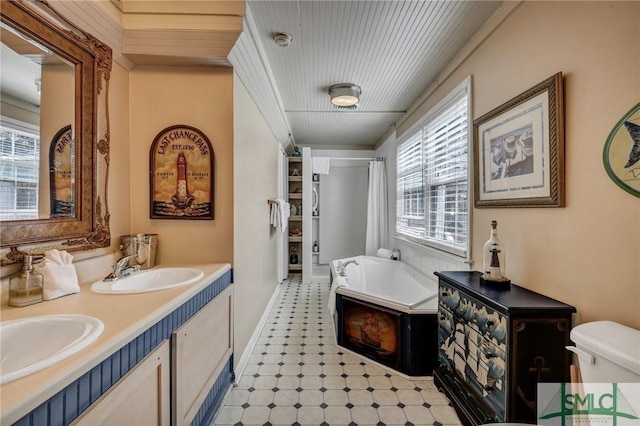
x=343 y=266
x=121 y=269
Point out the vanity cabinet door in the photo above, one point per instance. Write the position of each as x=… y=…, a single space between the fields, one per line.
x=141 y=397
x=201 y=349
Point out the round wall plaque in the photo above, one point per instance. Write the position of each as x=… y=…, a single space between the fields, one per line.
x=621 y=154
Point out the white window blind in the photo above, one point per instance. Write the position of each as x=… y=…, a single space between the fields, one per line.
x=433 y=182
x=19 y=171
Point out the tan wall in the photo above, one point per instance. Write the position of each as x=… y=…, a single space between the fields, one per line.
x=202 y=98
x=255 y=245
x=586 y=253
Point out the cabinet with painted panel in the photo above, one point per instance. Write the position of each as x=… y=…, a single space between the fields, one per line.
x=494 y=346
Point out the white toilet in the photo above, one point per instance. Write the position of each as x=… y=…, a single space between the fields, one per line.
x=608 y=352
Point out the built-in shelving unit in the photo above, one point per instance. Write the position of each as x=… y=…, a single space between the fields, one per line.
x=315 y=216
x=295 y=181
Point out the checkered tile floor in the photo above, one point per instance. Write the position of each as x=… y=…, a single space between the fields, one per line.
x=296 y=375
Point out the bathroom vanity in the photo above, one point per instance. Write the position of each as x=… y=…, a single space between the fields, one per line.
x=494 y=346
x=165 y=357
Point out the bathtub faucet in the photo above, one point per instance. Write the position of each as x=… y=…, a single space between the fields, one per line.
x=343 y=266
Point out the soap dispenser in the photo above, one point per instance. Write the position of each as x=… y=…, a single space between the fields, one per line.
x=25 y=287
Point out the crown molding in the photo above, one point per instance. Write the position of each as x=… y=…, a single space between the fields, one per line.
x=160 y=33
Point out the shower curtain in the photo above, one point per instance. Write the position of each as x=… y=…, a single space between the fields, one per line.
x=377 y=219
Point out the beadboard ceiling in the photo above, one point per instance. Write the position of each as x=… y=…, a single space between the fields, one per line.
x=397 y=51
x=394 y=50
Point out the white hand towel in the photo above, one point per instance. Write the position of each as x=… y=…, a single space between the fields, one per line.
x=284 y=210
x=60 y=277
x=337 y=282
x=280 y=211
x=384 y=253
x=320 y=165
x=275 y=212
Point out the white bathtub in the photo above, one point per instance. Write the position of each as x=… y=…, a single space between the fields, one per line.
x=386 y=311
x=385 y=282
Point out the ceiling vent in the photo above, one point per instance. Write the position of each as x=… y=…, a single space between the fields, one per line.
x=346 y=108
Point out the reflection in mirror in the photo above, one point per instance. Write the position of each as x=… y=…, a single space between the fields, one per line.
x=62 y=158
x=55 y=121
x=37 y=98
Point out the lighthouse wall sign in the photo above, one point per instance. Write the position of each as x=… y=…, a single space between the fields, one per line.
x=181 y=174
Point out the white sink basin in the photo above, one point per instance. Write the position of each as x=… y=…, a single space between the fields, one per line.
x=31 y=344
x=151 y=280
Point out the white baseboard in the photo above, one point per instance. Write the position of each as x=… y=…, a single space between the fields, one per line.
x=244 y=359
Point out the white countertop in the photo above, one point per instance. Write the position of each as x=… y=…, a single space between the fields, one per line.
x=124 y=317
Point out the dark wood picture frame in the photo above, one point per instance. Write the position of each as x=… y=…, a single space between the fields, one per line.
x=181 y=174
x=518 y=150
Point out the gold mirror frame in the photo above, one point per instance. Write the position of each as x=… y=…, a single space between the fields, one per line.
x=89 y=229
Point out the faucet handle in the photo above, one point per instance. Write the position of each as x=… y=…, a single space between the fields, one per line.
x=130 y=270
x=123 y=262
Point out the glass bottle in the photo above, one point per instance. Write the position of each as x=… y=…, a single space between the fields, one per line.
x=493 y=257
x=25 y=287
x=316 y=248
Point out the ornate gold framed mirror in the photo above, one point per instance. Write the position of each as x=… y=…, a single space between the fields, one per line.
x=74 y=76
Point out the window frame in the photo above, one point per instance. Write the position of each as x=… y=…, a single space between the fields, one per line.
x=422 y=236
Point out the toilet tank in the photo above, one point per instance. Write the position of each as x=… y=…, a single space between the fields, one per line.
x=608 y=352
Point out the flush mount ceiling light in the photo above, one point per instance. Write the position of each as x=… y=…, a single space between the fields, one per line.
x=282 y=39
x=345 y=95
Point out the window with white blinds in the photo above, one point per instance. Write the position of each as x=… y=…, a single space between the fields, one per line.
x=19 y=171
x=433 y=180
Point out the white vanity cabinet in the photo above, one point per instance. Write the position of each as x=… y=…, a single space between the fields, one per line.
x=201 y=348
x=140 y=397
x=175 y=371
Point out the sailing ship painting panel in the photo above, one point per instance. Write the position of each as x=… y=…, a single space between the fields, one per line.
x=472 y=339
x=372 y=332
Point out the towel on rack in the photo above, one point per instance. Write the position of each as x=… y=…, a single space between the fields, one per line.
x=320 y=165
x=280 y=214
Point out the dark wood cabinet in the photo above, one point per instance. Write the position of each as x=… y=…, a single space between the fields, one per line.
x=494 y=346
